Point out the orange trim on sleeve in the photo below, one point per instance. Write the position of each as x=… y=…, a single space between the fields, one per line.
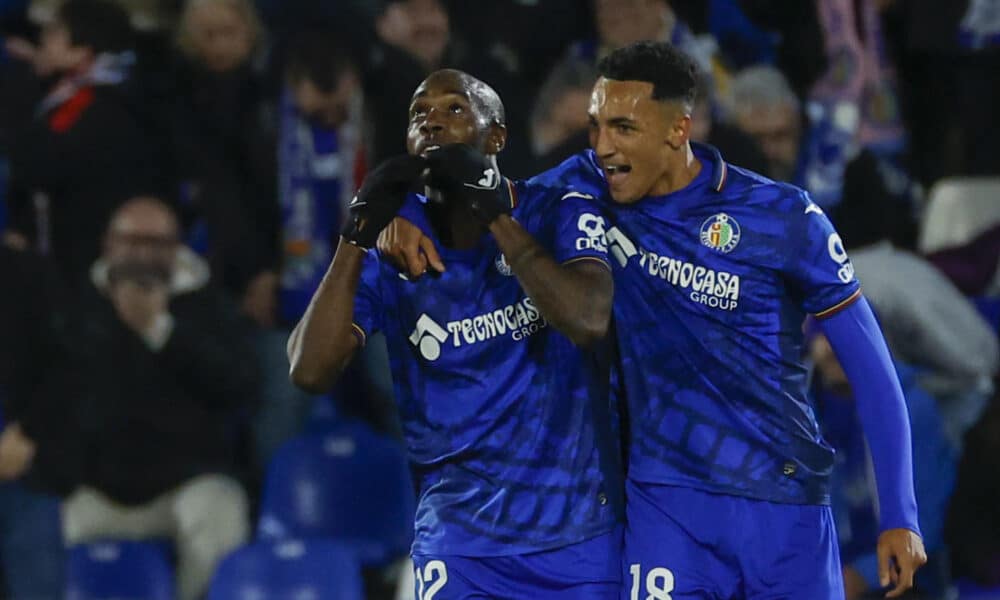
x=592 y=258
x=839 y=306
x=362 y=336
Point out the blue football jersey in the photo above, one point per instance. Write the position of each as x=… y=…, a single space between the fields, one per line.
x=506 y=420
x=712 y=284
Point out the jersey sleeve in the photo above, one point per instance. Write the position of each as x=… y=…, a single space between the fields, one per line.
x=414 y=212
x=580 y=229
x=818 y=267
x=368 y=299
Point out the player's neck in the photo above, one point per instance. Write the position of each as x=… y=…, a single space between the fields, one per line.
x=684 y=168
x=455 y=225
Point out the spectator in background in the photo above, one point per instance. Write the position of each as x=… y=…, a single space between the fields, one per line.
x=145 y=15
x=322 y=160
x=225 y=153
x=848 y=82
x=414 y=38
x=854 y=502
x=521 y=33
x=169 y=378
x=559 y=123
x=623 y=22
x=765 y=107
x=927 y=321
x=324 y=157
x=738 y=147
x=796 y=29
x=85 y=147
x=950 y=57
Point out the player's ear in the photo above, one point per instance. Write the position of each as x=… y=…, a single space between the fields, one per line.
x=496 y=139
x=680 y=131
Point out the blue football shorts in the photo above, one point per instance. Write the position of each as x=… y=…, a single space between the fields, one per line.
x=587 y=570
x=686 y=544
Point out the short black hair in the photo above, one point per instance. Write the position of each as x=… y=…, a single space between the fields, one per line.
x=673 y=73
x=101 y=25
x=319 y=56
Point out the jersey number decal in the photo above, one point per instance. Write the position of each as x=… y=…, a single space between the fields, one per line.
x=836 y=249
x=659 y=583
x=435 y=575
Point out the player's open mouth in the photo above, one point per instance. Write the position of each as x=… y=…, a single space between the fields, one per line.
x=616 y=174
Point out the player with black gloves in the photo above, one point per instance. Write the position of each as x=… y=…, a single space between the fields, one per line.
x=499 y=363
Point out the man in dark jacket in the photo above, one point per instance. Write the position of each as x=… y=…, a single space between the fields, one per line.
x=85 y=146
x=169 y=377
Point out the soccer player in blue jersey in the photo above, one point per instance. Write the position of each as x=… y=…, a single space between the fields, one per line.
x=715 y=270
x=500 y=365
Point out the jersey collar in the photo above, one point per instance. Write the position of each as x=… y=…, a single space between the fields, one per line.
x=712 y=156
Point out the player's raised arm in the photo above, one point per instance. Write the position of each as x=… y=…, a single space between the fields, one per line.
x=325 y=339
x=574 y=296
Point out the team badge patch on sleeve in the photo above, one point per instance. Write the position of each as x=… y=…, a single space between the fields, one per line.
x=720 y=232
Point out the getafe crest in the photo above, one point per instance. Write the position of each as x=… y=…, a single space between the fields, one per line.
x=720 y=232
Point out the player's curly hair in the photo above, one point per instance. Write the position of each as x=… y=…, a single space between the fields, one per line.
x=673 y=73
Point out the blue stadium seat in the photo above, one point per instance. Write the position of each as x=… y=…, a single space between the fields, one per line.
x=970 y=591
x=323 y=417
x=119 y=570
x=989 y=308
x=300 y=569
x=350 y=484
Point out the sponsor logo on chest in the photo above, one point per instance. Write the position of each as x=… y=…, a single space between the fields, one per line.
x=700 y=284
x=518 y=321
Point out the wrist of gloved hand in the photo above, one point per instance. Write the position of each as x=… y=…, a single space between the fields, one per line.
x=465 y=175
x=490 y=205
x=358 y=231
x=380 y=198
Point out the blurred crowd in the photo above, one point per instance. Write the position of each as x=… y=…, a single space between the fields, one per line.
x=173 y=176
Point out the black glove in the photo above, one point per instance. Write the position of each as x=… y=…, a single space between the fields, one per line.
x=465 y=174
x=380 y=198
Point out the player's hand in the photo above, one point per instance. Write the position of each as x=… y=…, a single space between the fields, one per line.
x=464 y=173
x=406 y=247
x=380 y=198
x=900 y=554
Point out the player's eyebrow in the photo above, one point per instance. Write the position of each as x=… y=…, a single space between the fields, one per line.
x=620 y=121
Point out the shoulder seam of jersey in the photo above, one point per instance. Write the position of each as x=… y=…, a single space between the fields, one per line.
x=575 y=194
x=836 y=308
x=362 y=336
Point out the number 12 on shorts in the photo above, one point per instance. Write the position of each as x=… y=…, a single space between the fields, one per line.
x=659 y=583
x=434 y=576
